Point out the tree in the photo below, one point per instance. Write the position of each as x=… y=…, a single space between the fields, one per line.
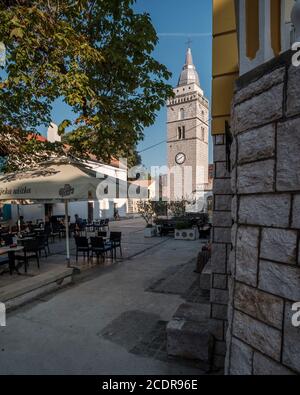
x=146 y=209
x=177 y=208
x=96 y=56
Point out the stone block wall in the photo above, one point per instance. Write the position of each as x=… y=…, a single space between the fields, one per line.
x=221 y=247
x=265 y=260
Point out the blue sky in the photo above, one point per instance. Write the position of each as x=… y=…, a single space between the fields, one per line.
x=176 y=22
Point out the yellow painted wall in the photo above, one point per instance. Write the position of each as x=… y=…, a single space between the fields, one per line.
x=225 y=62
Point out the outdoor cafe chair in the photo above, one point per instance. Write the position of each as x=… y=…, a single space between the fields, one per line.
x=3 y=262
x=106 y=223
x=115 y=240
x=56 y=232
x=99 y=247
x=42 y=243
x=102 y=223
x=8 y=239
x=31 y=251
x=82 y=245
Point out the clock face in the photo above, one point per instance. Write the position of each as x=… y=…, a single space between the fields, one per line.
x=180 y=158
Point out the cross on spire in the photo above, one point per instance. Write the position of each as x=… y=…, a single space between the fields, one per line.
x=189 y=42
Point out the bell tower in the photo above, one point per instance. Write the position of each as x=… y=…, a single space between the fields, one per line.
x=187 y=131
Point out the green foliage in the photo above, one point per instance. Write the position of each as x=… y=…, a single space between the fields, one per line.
x=146 y=209
x=177 y=208
x=96 y=55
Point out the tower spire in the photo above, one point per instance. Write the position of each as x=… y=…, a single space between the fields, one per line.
x=189 y=73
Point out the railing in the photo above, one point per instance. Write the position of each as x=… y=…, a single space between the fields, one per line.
x=266 y=29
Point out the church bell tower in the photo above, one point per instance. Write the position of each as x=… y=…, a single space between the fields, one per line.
x=187 y=130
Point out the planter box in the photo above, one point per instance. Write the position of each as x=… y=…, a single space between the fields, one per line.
x=186 y=234
x=149 y=232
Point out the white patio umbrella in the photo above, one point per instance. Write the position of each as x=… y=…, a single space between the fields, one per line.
x=61 y=180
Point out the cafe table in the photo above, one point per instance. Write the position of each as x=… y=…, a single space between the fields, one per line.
x=10 y=251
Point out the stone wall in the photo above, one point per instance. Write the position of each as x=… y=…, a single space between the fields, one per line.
x=265 y=261
x=221 y=248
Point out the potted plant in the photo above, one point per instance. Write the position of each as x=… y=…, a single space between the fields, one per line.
x=185 y=231
x=146 y=209
x=149 y=231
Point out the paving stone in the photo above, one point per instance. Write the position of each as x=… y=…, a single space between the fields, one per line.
x=129 y=328
x=189 y=339
x=193 y=312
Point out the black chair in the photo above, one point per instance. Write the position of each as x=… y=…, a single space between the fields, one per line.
x=8 y=239
x=62 y=231
x=3 y=262
x=101 y=224
x=106 y=223
x=115 y=240
x=72 y=229
x=82 y=245
x=99 y=247
x=56 y=231
x=43 y=244
x=31 y=250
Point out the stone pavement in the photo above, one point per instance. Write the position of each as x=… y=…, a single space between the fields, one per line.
x=108 y=321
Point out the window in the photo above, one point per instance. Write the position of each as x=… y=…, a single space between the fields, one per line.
x=202 y=134
x=252 y=28
x=179 y=133
x=181 y=114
